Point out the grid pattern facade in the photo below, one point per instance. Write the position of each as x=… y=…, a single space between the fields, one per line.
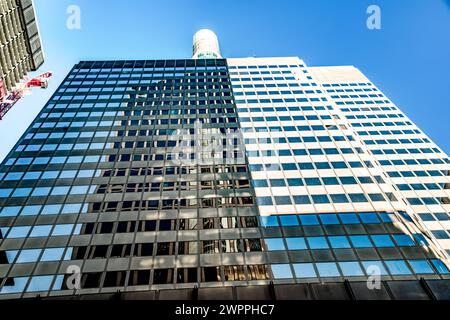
x=124 y=175
x=416 y=167
x=92 y=183
x=306 y=156
x=20 y=44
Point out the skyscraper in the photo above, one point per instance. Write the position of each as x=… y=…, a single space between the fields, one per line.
x=20 y=44
x=223 y=178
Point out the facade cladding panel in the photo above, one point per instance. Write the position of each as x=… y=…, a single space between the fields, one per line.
x=224 y=175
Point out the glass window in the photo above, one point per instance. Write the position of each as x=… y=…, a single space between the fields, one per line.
x=387 y=217
x=322 y=165
x=51 y=209
x=370 y=217
x=306 y=166
x=374 y=268
x=4 y=193
x=60 y=191
x=277 y=183
x=41 y=231
x=339 y=198
x=53 y=254
x=382 y=241
x=288 y=220
x=397 y=267
x=440 y=234
x=349 y=218
x=318 y=243
x=309 y=219
x=260 y=183
x=14 y=176
x=58 y=284
x=376 y=197
x=421 y=266
x=18 y=232
x=357 y=197
x=348 y=180
x=23 y=161
x=29 y=255
x=304 y=270
x=351 y=269
x=264 y=201
x=270 y=221
x=404 y=240
x=339 y=242
x=285 y=200
x=275 y=244
x=289 y=166
x=10 y=255
x=68 y=174
x=41 y=192
x=302 y=200
x=313 y=182
x=320 y=199
x=365 y=179
x=79 y=190
x=281 y=271
x=50 y=174
x=62 y=230
x=361 y=241
x=40 y=283
x=10 y=211
x=17 y=286
x=295 y=182
x=426 y=217
x=71 y=208
x=328 y=269
x=296 y=243
x=331 y=181
x=328 y=219
x=440 y=266
x=22 y=192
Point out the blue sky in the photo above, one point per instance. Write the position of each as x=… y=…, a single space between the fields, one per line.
x=408 y=59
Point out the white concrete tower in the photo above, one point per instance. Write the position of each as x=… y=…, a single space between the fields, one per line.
x=206 y=45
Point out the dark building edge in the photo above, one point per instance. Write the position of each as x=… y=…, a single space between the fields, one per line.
x=389 y=290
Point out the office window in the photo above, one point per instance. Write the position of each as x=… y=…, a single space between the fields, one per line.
x=351 y=269
x=296 y=243
x=281 y=271
x=289 y=220
x=309 y=220
x=317 y=243
x=339 y=242
x=360 y=241
x=327 y=269
x=328 y=219
x=304 y=270
x=398 y=267
x=274 y=244
x=421 y=266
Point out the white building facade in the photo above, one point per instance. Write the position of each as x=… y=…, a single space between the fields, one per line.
x=325 y=139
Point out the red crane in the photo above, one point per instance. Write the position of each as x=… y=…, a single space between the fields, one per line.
x=8 y=100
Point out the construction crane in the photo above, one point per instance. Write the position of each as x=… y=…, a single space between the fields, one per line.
x=8 y=100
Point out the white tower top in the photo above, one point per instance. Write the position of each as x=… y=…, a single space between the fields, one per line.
x=206 y=45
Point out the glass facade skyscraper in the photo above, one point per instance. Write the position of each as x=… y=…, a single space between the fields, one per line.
x=230 y=178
